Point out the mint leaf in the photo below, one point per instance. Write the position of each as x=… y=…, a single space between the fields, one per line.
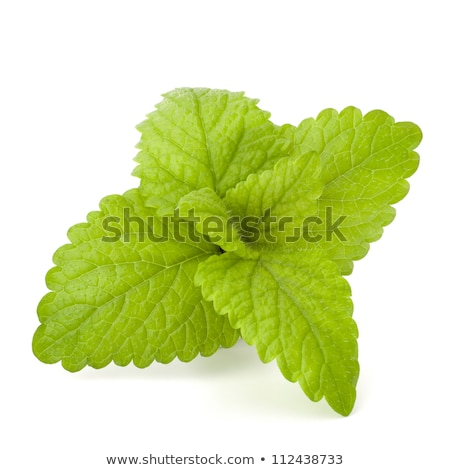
x=122 y=292
x=200 y=138
x=239 y=226
x=295 y=308
x=212 y=218
x=278 y=199
x=366 y=161
x=290 y=188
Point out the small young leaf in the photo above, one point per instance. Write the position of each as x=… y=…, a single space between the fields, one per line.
x=278 y=199
x=211 y=217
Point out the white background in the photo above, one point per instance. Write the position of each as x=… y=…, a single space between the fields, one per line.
x=76 y=77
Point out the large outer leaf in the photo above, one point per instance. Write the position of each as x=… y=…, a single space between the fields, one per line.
x=201 y=138
x=294 y=307
x=126 y=300
x=366 y=161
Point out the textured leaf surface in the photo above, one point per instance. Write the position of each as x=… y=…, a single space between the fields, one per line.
x=366 y=161
x=127 y=299
x=172 y=269
x=279 y=198
x=201 y=138
x=212 y=218
x=294 y=307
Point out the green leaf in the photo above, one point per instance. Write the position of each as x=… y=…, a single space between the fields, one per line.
x=172 y=269
x=201 y=138
x=366 y=161
x=278 y=200
x=212 y=218
x=295 y=308
x=122 y=290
